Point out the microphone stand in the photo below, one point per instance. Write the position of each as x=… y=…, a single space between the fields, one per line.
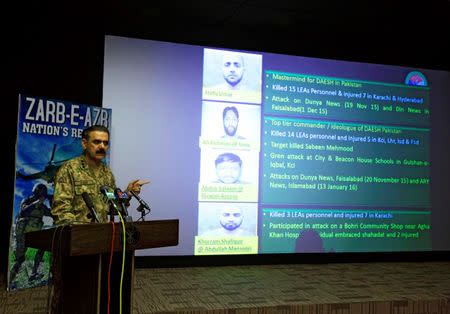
x=141 y=209
x=125 y=214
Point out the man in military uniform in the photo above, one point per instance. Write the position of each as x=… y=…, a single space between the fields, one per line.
x=86 y=173
x=32 y=211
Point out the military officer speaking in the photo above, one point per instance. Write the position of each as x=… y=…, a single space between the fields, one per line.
x=86 y=173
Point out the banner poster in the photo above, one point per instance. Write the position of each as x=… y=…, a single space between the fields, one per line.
x=48 y=133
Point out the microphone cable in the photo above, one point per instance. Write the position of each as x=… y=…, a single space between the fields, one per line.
x=123 y=261
x=113 y=238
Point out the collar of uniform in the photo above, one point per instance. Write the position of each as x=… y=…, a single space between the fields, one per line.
x=85 y=165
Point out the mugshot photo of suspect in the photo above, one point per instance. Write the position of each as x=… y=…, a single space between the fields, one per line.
x=232 y=76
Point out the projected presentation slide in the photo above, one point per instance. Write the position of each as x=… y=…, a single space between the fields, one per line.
x=263 y=153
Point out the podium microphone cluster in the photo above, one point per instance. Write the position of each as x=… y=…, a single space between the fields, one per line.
x=90 y=205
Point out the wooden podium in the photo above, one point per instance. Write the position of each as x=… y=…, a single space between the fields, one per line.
x=81 y=257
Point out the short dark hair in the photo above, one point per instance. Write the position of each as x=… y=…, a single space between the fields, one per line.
x=232 y=108
x=228 y=157
x=93 y=128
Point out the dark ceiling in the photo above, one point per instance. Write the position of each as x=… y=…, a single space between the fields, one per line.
x=391 y=32
x=374 y=31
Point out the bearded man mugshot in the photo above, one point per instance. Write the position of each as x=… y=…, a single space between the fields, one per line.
x=232 y=76
x=231 y=221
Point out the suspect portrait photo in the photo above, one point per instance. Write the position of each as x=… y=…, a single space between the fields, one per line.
x=229 y=167
x=227 y=219
x=232 y=76
x=231 y=121
x=230 y=118
x=228 y=175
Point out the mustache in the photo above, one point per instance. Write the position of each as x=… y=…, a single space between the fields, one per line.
x=100 y=151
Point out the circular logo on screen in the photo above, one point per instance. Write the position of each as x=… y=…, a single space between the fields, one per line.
x=416 y=78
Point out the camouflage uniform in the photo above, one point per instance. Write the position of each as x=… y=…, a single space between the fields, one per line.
x=72 y=179
x=30 y=219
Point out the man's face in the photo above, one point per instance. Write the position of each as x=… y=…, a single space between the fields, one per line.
x=231 y=218
x=228 y=172
x=96 y=145
x=233 y=68
x=230 y=123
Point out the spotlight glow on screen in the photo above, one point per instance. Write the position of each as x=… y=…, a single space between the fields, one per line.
x=264 y=153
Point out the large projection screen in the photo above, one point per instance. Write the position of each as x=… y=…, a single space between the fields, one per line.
x=260 y=153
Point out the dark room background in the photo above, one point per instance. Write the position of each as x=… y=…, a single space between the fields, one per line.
x=56 y=49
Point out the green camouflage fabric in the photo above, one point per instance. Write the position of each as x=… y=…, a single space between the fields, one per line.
x=29 y=219
x=72 y=179
x=31 y=216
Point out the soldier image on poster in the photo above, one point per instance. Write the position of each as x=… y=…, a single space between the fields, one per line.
x=30 y=218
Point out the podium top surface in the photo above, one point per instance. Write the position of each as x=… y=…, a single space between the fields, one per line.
x=95 y=238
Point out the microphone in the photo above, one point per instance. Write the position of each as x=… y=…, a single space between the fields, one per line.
x=140 y=200
x=109 y=194
x=122 y=197
x=90 y=205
